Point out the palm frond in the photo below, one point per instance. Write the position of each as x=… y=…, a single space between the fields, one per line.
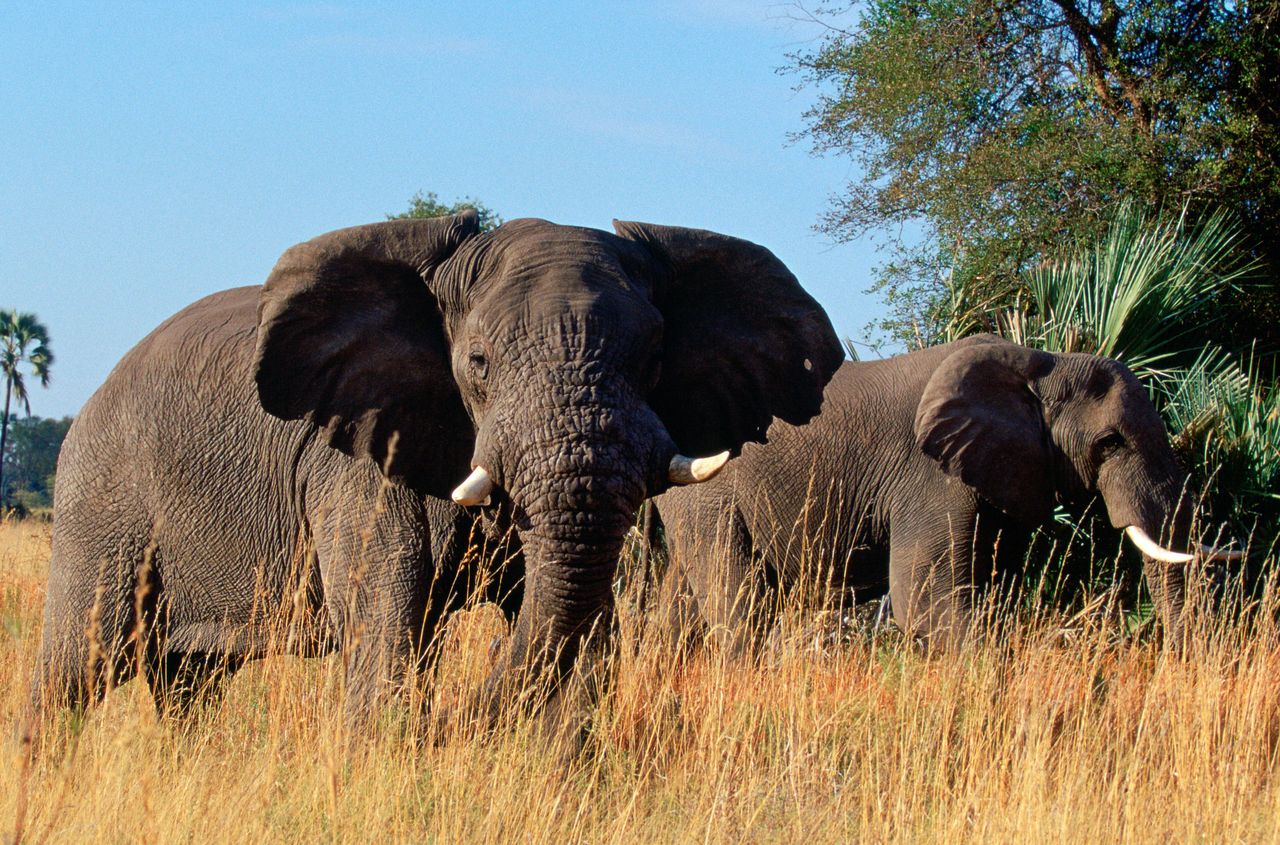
x=24 y=340
x=19 y=388
x=1140 y=294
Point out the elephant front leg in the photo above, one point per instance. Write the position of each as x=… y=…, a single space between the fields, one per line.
x=382 y=595
x=383 y=659
x=733 y=596
x=931 y=577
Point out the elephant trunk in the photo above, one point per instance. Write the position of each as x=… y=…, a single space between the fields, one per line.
x=575 y=477
x=1159 y=531
x=1157 y=516
x=571 y=549
x=574 y=557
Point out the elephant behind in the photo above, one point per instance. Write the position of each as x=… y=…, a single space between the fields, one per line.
x=926 y=473
x=290 y=450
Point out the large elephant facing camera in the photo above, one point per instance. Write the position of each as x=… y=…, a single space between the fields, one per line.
x=289 y=450
x=925 y=473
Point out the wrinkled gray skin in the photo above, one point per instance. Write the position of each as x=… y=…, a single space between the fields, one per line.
x=916 y=465
x=288 y=450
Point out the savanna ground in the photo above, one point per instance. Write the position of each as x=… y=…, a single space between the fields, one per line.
x=1087 y=736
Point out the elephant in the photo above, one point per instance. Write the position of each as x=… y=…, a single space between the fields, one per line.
x=295 y=449
x=926 y=473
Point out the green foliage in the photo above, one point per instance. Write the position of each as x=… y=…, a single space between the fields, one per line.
x=1146 y=291
x=1227 y=419
x=31 y=459
x=997 y=128
x=24 y=341
x=429 y=205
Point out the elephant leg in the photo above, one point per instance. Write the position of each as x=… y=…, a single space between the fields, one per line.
x=384 y=593
x=388 y=643
x=392 y=636
x=92 y=641
x=184 y=682
x=677 y=609
x=735 y=600
x=69 y=674
x=931 y=575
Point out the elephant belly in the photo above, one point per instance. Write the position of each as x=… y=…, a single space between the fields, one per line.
x=266 y=605
x=836 y=563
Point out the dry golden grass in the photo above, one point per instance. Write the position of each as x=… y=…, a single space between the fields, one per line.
x=1038 y=740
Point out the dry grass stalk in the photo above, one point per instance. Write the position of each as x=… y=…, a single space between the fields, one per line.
x=1032 y=737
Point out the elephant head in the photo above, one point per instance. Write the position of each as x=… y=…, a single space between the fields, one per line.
x=1025 y=428
x=562 y=373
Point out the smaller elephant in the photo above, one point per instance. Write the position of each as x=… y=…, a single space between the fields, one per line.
x=927 y=472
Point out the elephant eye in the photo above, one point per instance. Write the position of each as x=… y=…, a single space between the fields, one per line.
x=478 y=364
x=1109 y=443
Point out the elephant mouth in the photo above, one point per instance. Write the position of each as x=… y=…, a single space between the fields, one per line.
x=1155 y=551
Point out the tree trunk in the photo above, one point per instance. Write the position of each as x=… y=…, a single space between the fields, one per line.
x=4 y=433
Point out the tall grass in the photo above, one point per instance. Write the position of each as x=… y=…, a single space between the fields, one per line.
x=1084 y=736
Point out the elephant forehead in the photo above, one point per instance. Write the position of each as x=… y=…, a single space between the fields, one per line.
x=1092 y=393
x=536 y=253
x=565 y=314
x=566 y=338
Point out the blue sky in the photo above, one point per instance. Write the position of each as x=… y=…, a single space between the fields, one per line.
x=154 y=153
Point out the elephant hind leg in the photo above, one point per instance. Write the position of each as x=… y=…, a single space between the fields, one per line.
x=73 y=672
x=69 y=675
x=183 y=682
x=92 y=641
x=736 y=596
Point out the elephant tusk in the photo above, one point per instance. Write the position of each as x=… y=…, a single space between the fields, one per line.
x=1152 y=549
x=475 y=490
x=686 y=470
x=1210 y=553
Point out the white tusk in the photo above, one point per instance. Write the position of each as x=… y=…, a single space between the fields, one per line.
x=685 y=470
x=475 y=490
x=1210 y=553
x=1152 y=549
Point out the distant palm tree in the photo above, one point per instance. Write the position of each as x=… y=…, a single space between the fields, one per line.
x=23 y=340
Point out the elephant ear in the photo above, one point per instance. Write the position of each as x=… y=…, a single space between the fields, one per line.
x=351 y=338
x=980 y=418
x=742 y=341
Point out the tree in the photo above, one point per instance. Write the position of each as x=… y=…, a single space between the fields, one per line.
x=23 y=342
x=429 y=205
x=1143 y=292
x=31 y=459
x=1003 y=129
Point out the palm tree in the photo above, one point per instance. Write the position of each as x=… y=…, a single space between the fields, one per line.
x=1142 y=293
x=23 y=340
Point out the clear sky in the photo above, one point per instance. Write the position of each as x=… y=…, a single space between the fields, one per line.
x=151 y=153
